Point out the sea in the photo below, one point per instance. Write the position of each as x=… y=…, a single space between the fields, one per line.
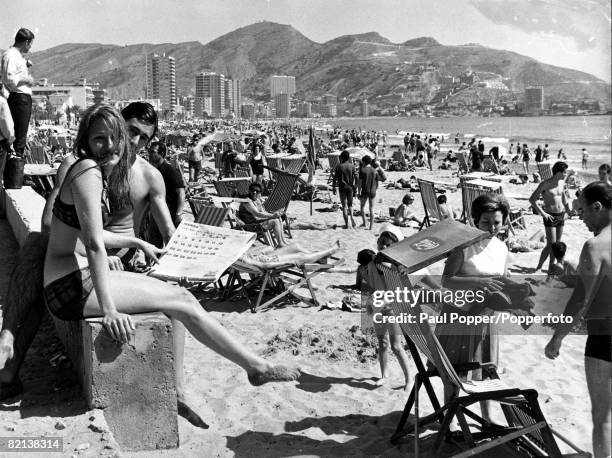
x=572 y=133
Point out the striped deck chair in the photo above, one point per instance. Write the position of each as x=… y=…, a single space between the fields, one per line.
x=470 y=190
x=242 y=172
x=293 y=165
x=196 y=203
x=398 y=156
x=211 y=215
x=430 y=202
x=545 y=170
x=462 y=162
x=334 y=161
x=489 y=165
x=280 y=197
x=232 y=187
x=218 y=161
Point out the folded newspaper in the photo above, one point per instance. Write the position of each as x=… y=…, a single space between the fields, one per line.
x=200 y=252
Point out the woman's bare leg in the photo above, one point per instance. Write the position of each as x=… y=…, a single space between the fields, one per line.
x=135 y=293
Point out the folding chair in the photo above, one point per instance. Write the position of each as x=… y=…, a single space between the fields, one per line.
x=211 y=215
x=526 y=430
x=334 y=161
x=232 y=187
x=472 y=189
x=295 y=275
x=545 y=170
x=489 y=165
x=280 y=197
x=242 y=172
x=430 y=202
x=462 y=162
x=293 y=165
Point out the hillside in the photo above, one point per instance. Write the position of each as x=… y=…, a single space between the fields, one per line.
x=352 y=66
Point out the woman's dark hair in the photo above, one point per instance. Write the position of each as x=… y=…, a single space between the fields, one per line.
x=143 y=111
x=559 y=167
x=365 y=160
x=598 y=192
x=364 y=257
x=118 y=183
x=558 y=250
x=255 y=186
x=407 y=199
x=489 y=203
x=23 y=35
x=344 y=156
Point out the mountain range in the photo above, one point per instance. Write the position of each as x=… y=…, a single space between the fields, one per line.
x=352 y=66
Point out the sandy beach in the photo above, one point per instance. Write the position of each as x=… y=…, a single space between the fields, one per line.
x=335 y=409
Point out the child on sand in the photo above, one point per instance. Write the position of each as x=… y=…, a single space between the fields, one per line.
x=563 y=269
x=403 y=215
x=446 y=211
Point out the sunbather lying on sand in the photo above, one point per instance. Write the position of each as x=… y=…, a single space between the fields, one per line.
x=267 y=257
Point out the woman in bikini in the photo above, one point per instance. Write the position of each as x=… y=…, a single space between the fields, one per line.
x=76 y=263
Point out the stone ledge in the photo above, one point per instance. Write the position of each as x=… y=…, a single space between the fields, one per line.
x=133 y=383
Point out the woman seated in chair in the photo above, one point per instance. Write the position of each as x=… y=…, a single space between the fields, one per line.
x=475 y=268
x=253 y=212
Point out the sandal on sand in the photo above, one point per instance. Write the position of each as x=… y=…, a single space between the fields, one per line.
x=275 y=374
x=188 y=414
x=10 y=389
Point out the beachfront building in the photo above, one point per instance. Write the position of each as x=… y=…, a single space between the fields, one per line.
x=100 y=96
x=282 y=104
x=328 y=111
x=247 y=111
x=534 y=100
x=188 y=105
x=211 y=85
x=329 y=99
x=304 y=109
x=202 y=107
x=365 y=109
x=236 y=96
x=281 y=84
x=161 y=80
x=61 y=96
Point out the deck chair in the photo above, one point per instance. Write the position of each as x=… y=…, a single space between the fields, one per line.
x=545 y=170
x=334 y=161
x=398 y=156
x=527 y=430
x=211 y=215
x=280 y=197
x=232 y=187
x=36 y=154
x=462 y=162
x=489 y=165
x=281 y=280
x=430 y=202
x=293 y=165
x=218 y=161
x=472 y=189
x=265 y=236
x=242 y=172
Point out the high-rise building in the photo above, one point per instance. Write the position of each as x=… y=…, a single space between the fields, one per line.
x=534 y=99
x=329 y=99
x=281 y=84
x=236 y=97
x=305 y=109
x=211 y=85
x=161 y=80
x=247 y=111
x=329 y=110
x=282 y=105
x=365 y=109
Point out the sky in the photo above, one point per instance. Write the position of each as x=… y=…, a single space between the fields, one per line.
x=567 y=33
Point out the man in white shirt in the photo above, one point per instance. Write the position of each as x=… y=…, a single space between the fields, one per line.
x=16 y=78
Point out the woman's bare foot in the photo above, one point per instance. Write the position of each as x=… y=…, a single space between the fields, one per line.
x=274 y=374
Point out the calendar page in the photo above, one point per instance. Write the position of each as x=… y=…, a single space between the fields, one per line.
x=201 y=253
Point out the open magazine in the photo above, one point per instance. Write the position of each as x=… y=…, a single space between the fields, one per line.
x=201 y=253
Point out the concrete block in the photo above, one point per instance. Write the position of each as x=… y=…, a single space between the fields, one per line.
x=133 y=383
x=23 y=209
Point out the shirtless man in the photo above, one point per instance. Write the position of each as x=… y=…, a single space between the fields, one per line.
x=553 y=210
x=147 y=190
x=591 y=299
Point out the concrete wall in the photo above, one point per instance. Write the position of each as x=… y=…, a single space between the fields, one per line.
x=133 y=383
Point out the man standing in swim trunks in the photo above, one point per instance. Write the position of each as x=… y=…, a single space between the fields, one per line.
x=553 y=210
x=591 y=299
x=345 y=177
x=368 y=184
x=147 y=190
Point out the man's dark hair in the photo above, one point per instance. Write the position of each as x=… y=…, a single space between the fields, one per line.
x=489 y=203
x=558 y=250
x=598 y=192
x=605 y=168
x=255 y=186
x=23 y=35
x=344 y=156
x=442 y=199
x=559 y=167
x=365 y=256
x=161 y=148
x=365 y=160
x=142 y=111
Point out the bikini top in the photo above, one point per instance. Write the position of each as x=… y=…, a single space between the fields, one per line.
x=67 y=213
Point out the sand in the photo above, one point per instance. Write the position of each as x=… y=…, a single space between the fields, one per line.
x=335 y=409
